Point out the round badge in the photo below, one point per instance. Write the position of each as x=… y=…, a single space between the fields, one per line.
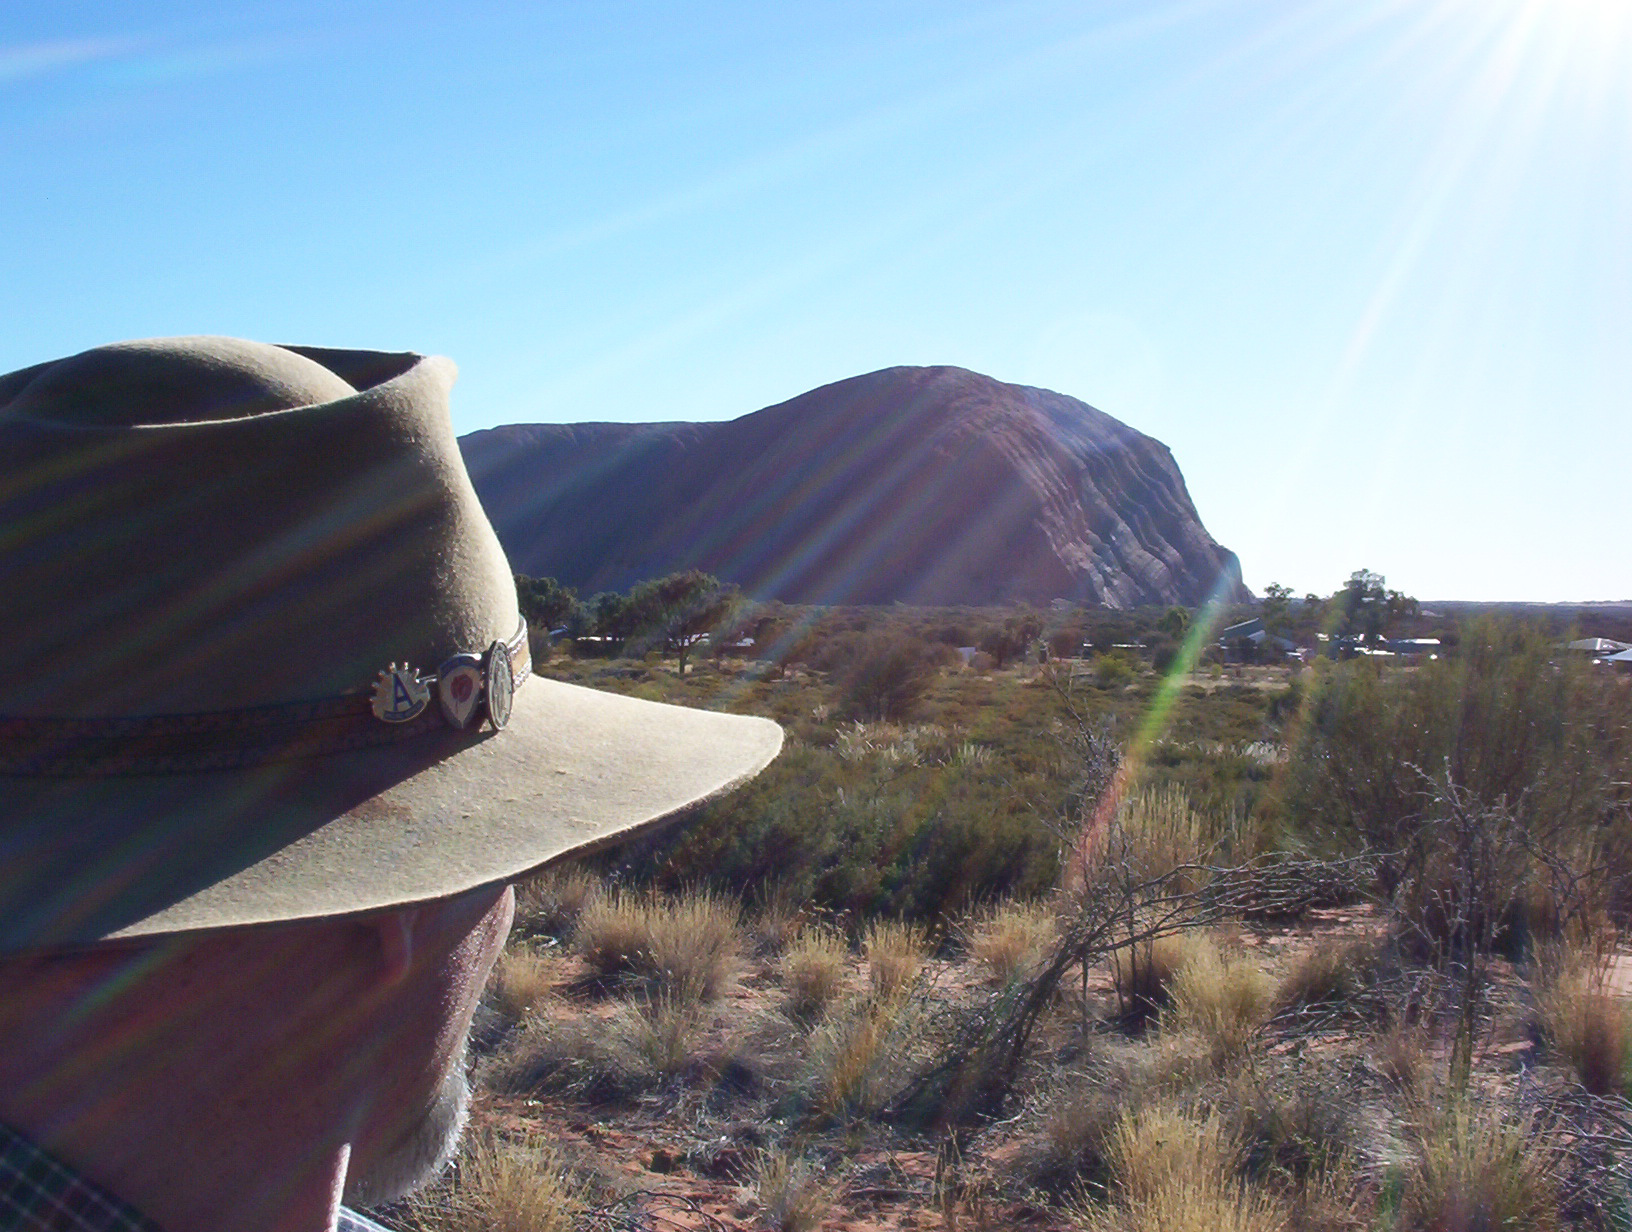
x=501 y=686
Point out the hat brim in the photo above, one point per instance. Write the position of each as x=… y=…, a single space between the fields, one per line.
x=86 y=861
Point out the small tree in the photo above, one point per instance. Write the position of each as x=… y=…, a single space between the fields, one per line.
x=545 y=603
x=677 y=609
x=887 y=679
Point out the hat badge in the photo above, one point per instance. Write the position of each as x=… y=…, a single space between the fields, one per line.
x=459 y=688
x=400 y=695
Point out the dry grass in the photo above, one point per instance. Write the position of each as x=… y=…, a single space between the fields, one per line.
x=1331 y=973
x=1082 y=1113
x=813 y=972
x=549 y=904
x=683 y=946
x=503 y=1186
x=1011 y=940
x=521 y=980
x=1156 y=831
x=658 y=1036
x=776 y=921
x=1476 y=1169
x=895 y=954
x=1585 y=1025
x=1223 y=998
x=1152 y=1148
x=792 y=1195
x=1189 y=1205
x=641 y=1045
x=1143 y=974
x=859 y=1055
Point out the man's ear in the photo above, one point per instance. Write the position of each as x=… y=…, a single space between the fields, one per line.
x=395 y=931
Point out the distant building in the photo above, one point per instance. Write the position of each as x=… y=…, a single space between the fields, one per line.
x=1252 y=632
x=1599 y=647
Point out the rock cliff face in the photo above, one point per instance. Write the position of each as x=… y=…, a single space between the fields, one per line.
x=923 y=485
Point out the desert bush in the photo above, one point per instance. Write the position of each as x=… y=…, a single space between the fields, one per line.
x=886 y=679
x=813 y=971
x=1474 y=1168
x=549 y=903
x=792 y=1194
x=1011 y=940
x=1584 y=1024
x=1504 y=728
x=895 y=954
x=503 y=1185
x=1113 y=669
x=685 y=945
x=1223 y=998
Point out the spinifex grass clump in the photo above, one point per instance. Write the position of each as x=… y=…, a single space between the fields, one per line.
x=683 y=946
x=503 y=1186
x=1223 y=998
x=1585 y=1025
x=813 y=970
x=1011 y=940
x=895 y=955
x=1477 y=1167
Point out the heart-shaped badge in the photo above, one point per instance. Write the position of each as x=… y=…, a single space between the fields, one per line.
x=459 y=689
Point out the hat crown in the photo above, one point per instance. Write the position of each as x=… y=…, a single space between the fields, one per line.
x=192 y=525
x=176 y=380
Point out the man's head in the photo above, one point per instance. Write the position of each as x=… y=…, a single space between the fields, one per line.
x=270 y=748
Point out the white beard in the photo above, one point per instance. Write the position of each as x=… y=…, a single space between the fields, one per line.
x=421 y=1155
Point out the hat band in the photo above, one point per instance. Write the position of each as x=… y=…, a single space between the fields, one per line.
x=257 y=735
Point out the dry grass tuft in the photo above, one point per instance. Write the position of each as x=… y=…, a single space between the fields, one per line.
x=549 y=904
x=642 y=1044
x=1223 y=998
x=813 y=972
x=521 y=980
x=657 y=1037
x=1082 y=1113
x=776 y=921
x=1189 y=1205
x=1585 y=1025
x=684 y=946
x=895 y=954
x=859 y=1055
x=1012 y=940
x=1143 y=974
x=1152 y=1148
x=1475 y=1169
x=503 y=1186
x=792 y=1195
x=1332 y=973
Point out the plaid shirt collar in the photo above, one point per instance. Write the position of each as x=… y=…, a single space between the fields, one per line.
x=40 y=1193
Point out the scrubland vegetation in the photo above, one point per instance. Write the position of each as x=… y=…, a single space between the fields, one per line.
x=1082 y=944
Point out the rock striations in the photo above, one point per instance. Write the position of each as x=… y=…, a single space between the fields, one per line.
x=923 y=485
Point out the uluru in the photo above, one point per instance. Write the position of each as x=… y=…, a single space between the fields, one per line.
x=922 y=485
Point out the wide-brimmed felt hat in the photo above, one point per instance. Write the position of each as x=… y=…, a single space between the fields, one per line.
x=261 y=657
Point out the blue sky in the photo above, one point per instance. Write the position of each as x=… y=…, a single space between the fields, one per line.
x=1365 y=266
